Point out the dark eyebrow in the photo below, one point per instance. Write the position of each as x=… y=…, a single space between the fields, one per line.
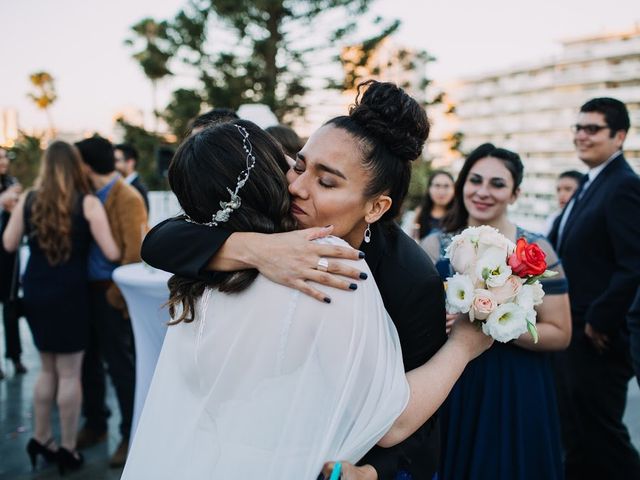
x=323 y=167
x=333 y=171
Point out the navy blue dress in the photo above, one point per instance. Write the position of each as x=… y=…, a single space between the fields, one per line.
x=500 y=421
x=56 y=297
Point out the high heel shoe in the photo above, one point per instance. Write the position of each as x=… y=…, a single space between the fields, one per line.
x=35 y=448
x=69 y=460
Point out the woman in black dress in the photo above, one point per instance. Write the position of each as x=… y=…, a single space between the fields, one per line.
x=60 y=219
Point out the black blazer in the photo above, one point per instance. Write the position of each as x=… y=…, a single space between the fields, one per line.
x=633 y=322
x=600 y=249
x=141 y=187
x=411 y=290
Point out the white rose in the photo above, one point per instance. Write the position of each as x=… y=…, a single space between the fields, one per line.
x=462 y=254
x=459 y=293
x=508 y=291
x=507 y=322
x=490 y=237
x=492 y=267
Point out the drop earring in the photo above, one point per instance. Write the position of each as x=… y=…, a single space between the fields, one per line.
x=367 y=234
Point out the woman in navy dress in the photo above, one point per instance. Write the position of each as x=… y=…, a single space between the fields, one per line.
x=500 y=420
x=60 y=218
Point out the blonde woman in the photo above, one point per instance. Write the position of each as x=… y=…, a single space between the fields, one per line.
x=60 y=218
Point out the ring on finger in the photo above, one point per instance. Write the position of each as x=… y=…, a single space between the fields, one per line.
x=323 y=264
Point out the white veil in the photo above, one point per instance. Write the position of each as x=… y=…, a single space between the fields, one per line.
x=270 y=384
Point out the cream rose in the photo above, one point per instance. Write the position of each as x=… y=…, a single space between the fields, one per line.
x=507 y=292
x=482 y=305
x=462 y=254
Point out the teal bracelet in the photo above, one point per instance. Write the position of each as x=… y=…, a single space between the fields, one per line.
x=337 y=470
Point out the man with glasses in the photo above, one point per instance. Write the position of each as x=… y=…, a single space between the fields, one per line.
x=597 y=237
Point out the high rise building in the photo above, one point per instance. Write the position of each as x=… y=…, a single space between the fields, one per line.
x=529 y=109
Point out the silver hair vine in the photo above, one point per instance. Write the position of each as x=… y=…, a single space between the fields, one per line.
x=234 y=203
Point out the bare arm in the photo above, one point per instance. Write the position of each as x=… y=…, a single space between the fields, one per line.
x=553 y=324
x=431 y=383
x=15 y=228
x=99 y=225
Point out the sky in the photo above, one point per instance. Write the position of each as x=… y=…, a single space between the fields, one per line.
x=81 y=43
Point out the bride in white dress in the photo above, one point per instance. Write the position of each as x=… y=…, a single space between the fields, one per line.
x=256 y=380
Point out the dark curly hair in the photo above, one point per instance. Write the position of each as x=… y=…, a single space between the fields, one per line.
x=203 y=168
x=391 y=128
x=458 y=216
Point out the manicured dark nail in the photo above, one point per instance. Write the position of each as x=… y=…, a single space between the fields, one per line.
x=363 y=276
x=360 y=254
x=327 y=226
x=327 y=300
x=353 y=286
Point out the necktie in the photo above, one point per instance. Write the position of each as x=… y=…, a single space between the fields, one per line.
x=571 y=208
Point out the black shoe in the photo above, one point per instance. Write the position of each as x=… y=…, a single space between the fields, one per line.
x=88 y=437
x=69 y=460
x=35 y=448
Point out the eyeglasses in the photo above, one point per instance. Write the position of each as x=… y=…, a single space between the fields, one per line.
x=589 y=129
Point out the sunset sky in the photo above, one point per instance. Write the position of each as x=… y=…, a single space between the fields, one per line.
x=80 y=42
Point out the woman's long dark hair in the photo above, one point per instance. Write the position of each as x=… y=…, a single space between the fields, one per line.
x=458 y=216
x=207 y=164
x=424 y=219
x=391 y=128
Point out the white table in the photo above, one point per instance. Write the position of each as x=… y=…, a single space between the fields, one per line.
x=145 y=290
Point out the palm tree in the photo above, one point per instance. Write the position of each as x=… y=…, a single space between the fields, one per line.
x=153 y=55
x=44 y=96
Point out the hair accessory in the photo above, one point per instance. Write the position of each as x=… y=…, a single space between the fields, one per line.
x=234 y=203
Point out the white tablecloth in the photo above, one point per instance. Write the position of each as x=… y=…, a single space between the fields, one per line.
x=145 y=290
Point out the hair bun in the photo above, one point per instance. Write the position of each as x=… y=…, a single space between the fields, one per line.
x=391 y=115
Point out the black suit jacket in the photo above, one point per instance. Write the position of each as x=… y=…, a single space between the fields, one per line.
x=633 y=322
x=600 y=249
x=411 y=290
x=141 y=187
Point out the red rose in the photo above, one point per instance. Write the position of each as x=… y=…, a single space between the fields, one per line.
x=527 y=259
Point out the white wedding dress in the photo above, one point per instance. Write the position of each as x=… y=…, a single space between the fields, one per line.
x=270 y=384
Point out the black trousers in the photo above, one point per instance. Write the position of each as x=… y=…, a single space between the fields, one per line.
x=592 y=396
x=110 y=342
x=12 y=345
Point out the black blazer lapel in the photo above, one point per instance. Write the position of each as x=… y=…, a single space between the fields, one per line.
x=593 y=189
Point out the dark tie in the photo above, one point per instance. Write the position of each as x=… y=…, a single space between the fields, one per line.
x=575 y=199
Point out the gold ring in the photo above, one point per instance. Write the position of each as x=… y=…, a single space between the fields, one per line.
x=323 y=264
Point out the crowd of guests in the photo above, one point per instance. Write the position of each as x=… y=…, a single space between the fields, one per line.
x=521 y=410
x=81 y=220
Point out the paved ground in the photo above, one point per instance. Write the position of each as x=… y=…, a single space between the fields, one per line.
x=16 y=424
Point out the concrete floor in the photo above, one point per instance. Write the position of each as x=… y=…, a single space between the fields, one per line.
x=16 y=424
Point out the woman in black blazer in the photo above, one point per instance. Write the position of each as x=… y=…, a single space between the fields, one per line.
x=353 y=170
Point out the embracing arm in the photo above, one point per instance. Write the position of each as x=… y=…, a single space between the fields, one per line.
x=290 y=258
x=96 y=216
x=431 y=383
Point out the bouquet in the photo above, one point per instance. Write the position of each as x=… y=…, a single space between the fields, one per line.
x=496 y=282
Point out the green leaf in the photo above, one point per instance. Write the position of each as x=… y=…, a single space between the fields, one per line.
x=533 y=331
